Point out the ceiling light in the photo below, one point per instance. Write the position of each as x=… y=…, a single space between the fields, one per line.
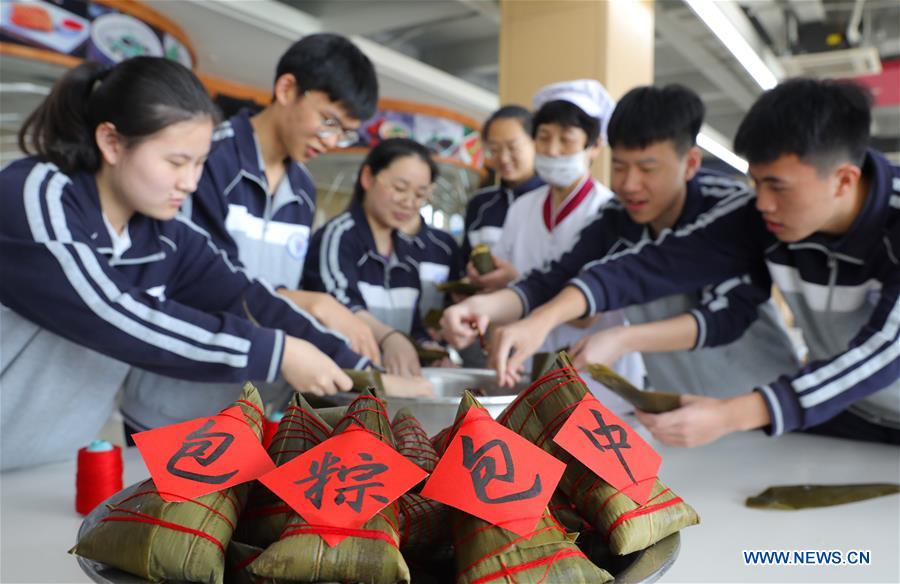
x=721 y=152
x=734 y=41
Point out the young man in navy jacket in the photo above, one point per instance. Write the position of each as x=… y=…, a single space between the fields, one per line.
x=689 y=342
x=826 y=224
x=257 y=199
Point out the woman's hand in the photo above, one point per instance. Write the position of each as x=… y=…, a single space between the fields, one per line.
x=400 y=357
x=337 y=317
x=309 y=370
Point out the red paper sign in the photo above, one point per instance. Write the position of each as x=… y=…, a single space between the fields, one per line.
x=493 y=473
x=344 y=481
x=609 y=447
x=202 y=456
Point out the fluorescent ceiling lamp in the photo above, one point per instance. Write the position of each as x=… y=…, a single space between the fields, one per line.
x=721 y=152
x=734 y=41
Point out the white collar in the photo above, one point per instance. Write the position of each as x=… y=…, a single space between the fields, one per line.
x=120 y=243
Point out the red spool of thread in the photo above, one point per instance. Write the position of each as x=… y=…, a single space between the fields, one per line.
x=99 y=475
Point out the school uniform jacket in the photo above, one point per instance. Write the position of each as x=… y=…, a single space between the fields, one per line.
x=536 y=234
x=486 y=212
x=725 y=359
x=438 y=259
x=172 y=303
x=344 y=262
x=844 y=292
x=268 y=235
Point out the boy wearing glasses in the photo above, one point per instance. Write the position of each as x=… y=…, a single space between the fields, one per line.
x=256 y=198
x=256 y=201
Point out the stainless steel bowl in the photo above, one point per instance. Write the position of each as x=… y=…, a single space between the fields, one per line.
x=438 y=411
x=640 y=567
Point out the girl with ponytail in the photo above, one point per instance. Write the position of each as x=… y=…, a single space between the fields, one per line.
x=99 y=273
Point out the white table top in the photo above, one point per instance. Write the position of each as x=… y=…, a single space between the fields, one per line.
x=39 y=522
x=717 y=478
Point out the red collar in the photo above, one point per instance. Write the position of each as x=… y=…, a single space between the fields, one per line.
x=573 y=201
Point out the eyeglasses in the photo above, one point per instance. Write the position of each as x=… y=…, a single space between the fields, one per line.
x=331 y=127
x=402 y=191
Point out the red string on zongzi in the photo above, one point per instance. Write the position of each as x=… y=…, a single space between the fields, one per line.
x=550 y=560
x=138 y=517
x=258 y=422
x=299 y=529
x=644 y=509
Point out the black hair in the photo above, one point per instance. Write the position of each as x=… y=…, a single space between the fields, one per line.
x=822 y=122
x=386 y=152
x=331 y=64
x=567 y=115
x=508 y=112
x=647 y=115
x=232 y=106
x=139 y=96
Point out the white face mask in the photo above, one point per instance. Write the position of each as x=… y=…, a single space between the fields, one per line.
x=561 y=171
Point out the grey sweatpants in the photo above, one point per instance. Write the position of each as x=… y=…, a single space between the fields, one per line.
x=150 y=400
x=55 y=395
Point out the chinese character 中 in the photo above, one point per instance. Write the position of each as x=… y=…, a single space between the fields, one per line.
x=615 y=444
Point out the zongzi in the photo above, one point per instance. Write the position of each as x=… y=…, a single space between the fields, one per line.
x=423 y=522
x=628 y=526
x=266 y=514
x=185 y=541
x=458 y=287
x=482 y=259
x=489 y=553
x=366 y=379
x=370 y=554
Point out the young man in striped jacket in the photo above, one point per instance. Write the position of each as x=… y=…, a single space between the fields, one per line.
x=826 y=224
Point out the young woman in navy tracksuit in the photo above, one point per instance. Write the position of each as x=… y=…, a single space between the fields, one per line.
x=438 y=258
x=510 y=149
x=361 y=258
x=98 y=276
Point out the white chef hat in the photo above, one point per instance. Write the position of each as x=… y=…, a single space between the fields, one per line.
x=587 y=94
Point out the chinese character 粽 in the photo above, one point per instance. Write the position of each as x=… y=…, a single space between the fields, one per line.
x=320 y=474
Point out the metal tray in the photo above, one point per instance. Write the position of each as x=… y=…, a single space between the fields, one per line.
x=438 y=411
x=644 y=566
